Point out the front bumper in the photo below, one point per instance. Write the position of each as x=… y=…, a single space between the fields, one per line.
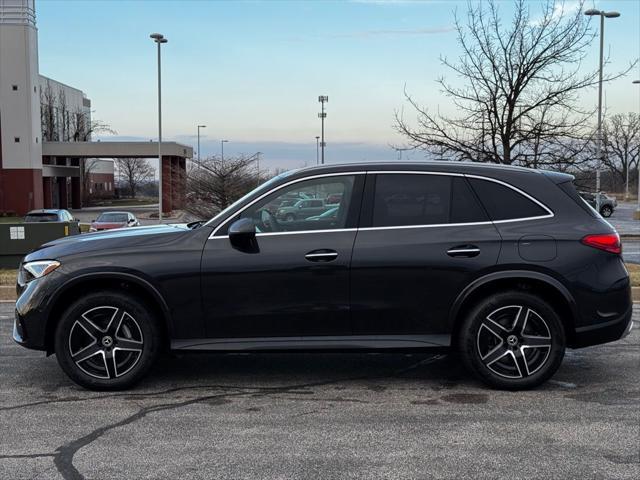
x=32 y=311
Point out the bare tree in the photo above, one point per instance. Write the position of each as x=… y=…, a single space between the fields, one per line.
x=516 y=90
x=48 y=114
x=621 y=144
x=82 y=126
x=217 y=183
x=134 y=171
x=87 y=165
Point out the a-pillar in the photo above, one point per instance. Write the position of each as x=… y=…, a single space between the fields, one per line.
x=62 y=192
x=166 y=185
x=46 y=192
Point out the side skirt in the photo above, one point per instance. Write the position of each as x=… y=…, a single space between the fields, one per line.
x=328 y=343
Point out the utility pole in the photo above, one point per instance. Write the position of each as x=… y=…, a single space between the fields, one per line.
x=159 y=39
x=602 y=15
x=222 y=142
x=199 y=127
x=322 y=115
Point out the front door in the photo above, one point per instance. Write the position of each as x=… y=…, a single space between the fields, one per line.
x=296 y=282
x=423 y=238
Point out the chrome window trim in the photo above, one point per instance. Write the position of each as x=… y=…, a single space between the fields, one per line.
x=549 y=214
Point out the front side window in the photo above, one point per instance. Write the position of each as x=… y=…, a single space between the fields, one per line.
x=422 y=199
x=302 y=206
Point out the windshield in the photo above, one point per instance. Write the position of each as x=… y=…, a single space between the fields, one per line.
x=262 y=188
x=41 y=217
x=113 y=218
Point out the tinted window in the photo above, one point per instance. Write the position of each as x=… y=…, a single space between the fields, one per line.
x=272 y=214
x=41 y=217
x=504 y=203
x=113 y=218
x=415 y=199
x=465 y=207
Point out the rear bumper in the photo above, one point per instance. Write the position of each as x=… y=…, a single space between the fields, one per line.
x=610 y=331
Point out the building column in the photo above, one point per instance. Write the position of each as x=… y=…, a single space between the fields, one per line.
x=166 y=185
x=62 y=189
x=176 y=181
x=76 y=193
x=46 y=192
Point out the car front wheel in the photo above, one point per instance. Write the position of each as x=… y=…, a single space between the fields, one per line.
x=512 y=341
x=107 y=341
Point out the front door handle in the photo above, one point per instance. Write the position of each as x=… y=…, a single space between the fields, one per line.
x=464 y=251
x=323 y=255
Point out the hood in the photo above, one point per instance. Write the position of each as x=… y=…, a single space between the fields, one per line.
x=131 y=237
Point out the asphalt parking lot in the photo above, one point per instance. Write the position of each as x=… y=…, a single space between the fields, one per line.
x=321 y=416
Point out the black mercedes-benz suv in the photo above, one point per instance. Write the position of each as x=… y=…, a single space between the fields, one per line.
x=507 y=265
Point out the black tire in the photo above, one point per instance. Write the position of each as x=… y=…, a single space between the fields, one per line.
x=290 y=217
x=503 y=340
x=127 y=340
x=606 y=211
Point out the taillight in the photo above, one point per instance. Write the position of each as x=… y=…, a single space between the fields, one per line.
x=609 y=242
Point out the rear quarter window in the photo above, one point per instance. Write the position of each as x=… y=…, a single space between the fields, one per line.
x=504 y=203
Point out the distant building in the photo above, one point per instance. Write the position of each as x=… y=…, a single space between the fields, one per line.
x=100 y=178
x=46 y=129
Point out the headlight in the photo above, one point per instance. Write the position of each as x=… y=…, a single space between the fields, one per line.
x=38 y=269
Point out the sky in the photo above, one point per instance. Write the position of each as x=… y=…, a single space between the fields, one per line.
x=251 y=71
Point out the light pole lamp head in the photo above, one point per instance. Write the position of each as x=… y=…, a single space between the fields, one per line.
x=636 y=81
x=323 y=98
x=592 y=11
x=611 y=14
x=202 y=126
x=158 y=38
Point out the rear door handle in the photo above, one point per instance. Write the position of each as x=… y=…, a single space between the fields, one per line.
x=323 y=255
x=464 y=251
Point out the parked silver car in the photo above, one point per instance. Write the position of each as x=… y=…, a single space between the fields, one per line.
x=607 y=204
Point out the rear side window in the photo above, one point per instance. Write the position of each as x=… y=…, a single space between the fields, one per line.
x=416 y=199
x=504 y=203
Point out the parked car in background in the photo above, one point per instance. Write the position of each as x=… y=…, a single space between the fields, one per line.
x=111 y=220
x=302 y=209
x=607 y=204
x=49 y=215
x=505 y=265
x=332 y=213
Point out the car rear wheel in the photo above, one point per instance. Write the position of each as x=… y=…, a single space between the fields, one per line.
x=606 y=211
x=290 y=217
x=513 y=341
x=107 y=341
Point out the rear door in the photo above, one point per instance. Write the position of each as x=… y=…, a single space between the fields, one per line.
x=424 y=236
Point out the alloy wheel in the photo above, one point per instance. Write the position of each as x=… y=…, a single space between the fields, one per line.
x=106 y=342
x=514 y=341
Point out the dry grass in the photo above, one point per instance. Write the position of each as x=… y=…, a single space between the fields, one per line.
x=8 y=276
x=634 y=273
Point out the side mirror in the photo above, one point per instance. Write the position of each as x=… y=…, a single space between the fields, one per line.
x=242 y=235
x=299 y=206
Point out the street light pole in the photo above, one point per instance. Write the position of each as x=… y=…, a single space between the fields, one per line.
x=637 y=82
x=602 y=14
x=323 y=99
x=222 y=142
x=317 y=150
x=199 y=127
x=159 y=39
